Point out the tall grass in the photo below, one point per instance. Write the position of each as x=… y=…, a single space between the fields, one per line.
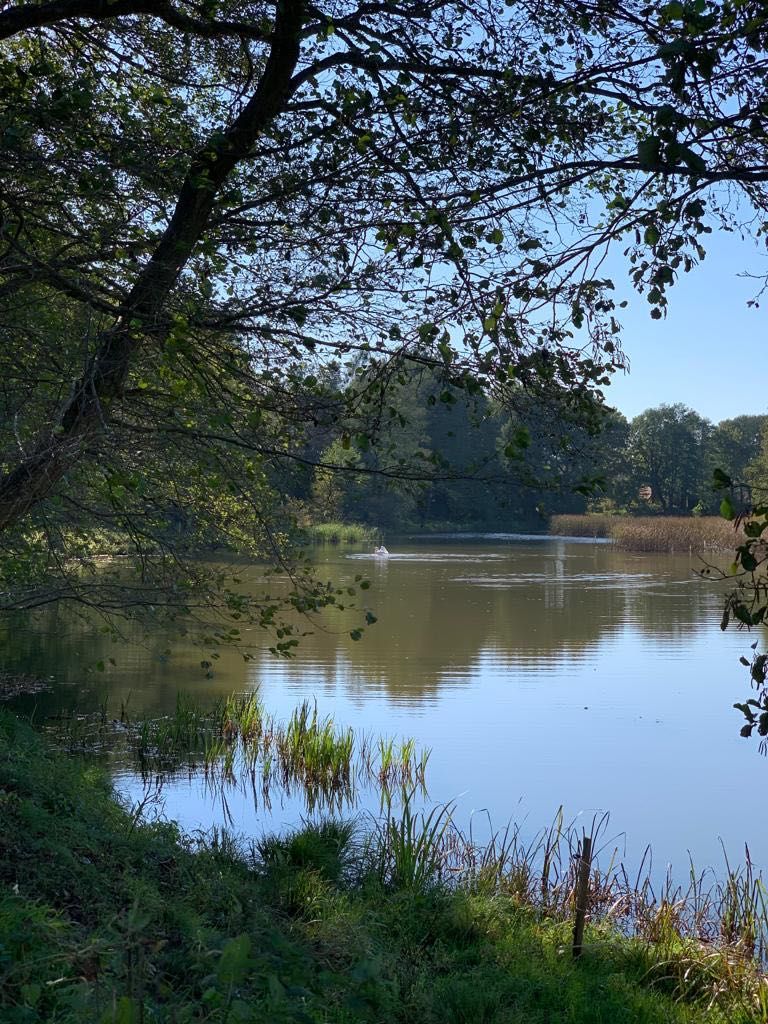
x=105 y=916
x=235 y=741
x=408 y=848
x=652 y=533
x=598 y=525
x=709 y=935
x=421 y=922
x=675 y=533
x=341 y=533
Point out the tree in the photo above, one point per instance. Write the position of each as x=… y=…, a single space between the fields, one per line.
x=670 y=449
x=756 y=472
x=736 y=445
x=746 y=602
x=203 y=205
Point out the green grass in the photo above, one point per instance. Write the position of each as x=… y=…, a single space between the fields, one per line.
x=108 y=919
x=652 y=533
x=341 y=533
x=235 y=741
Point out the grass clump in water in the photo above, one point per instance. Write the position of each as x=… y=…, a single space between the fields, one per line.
x=236 y=742
x=341 y=533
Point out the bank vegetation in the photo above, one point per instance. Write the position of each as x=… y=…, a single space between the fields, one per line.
x=108 y=917
x=692 y=534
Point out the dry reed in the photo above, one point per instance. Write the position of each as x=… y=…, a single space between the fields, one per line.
x=582 y=526
x=653 y=533
x=709 y=934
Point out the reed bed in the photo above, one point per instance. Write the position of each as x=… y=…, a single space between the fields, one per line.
x=653 y=533
x=582 y=526
x=676 y=534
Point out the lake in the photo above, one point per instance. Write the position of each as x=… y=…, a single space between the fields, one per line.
x=540 y=671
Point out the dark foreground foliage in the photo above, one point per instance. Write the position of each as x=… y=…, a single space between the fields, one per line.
x=108 y=919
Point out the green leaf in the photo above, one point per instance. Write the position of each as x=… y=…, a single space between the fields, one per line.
x=31 y=993
x=745 y=711
x=694 y=161
x=651 y=235
x=649 y=152
x=727 y=510
x=742 y=614
x=748 y=561
x=235 y=960
x=125 y=1012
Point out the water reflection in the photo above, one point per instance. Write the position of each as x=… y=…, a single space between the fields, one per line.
x=439 y=613
x=539 y=673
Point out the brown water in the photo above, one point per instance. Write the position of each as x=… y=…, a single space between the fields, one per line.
x=540 y=672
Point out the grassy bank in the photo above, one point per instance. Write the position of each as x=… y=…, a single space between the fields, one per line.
x=652 y=533
x=340 y=533
x=105 y=918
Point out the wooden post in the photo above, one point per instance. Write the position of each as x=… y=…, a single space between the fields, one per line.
x=583 y=871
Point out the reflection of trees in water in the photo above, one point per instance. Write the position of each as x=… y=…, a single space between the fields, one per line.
x=68 y=646
x=536 y=605
x=436 y=620
x=678 y=605
x=532 y=627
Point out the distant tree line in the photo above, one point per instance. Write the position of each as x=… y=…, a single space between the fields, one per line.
x=488 y=467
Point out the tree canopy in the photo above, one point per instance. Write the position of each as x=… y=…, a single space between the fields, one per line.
x=213 y=214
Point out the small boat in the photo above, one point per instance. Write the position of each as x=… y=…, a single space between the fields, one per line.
x=381 y=552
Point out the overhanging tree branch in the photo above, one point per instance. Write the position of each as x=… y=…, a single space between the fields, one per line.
x=86 y=410
x=28 y=16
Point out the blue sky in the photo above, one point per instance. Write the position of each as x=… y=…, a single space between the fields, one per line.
x=710 y=351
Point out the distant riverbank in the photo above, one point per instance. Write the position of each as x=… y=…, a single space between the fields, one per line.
x=652 y=533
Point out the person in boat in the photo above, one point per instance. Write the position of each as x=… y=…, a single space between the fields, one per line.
x=381 y=551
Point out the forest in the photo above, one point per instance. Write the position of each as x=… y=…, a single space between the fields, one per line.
x=491 y=468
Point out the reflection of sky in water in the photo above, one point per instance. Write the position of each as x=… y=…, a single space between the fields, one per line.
x=539 y=674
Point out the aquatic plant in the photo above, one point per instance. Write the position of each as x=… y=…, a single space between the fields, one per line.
x=235 y=742
x=410 y=905
x=597 y=525
x=407 y=848
x=340 y=533
x=652 y=533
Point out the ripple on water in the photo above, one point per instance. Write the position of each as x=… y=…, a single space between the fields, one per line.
x=426 y=556
x=584 y=581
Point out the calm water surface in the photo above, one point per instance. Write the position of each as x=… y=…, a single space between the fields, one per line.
x=540 y=672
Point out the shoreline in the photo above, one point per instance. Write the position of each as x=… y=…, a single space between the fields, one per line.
x=106 y=916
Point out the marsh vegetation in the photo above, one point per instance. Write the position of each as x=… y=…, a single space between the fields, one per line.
x=672 y=534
